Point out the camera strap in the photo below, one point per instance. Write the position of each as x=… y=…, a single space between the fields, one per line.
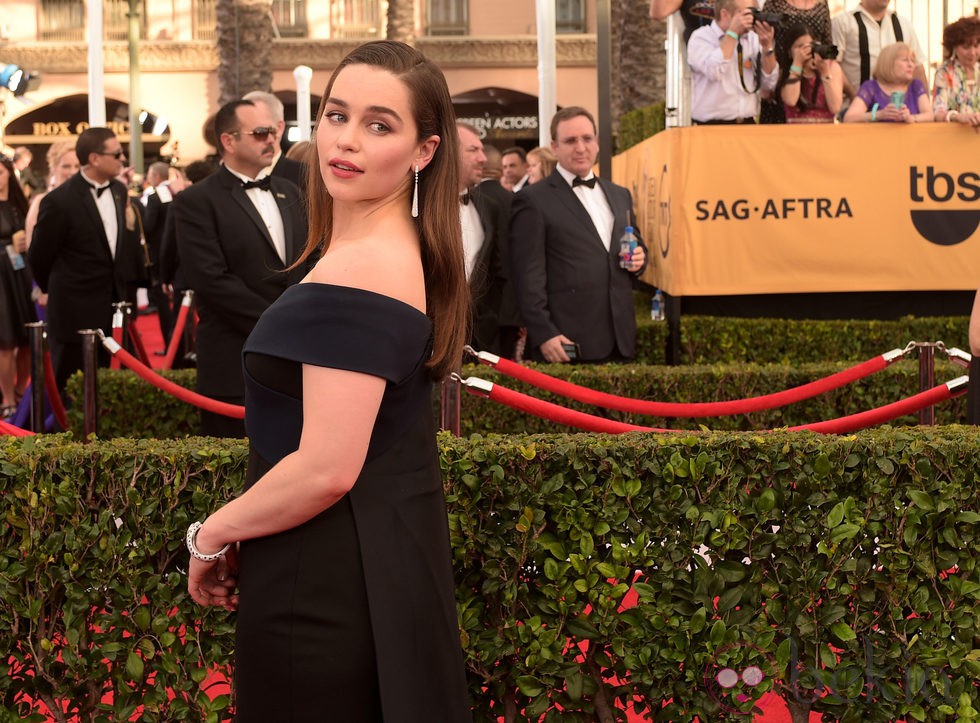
x=756 y=70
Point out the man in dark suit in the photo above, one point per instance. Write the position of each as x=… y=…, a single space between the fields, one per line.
x=281 y=166
x=565 y=234
x=86 y=252
x=238 y=231
x=484 y=225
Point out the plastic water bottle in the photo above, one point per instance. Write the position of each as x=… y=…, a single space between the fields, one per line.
x=657 y=306
x=627 y=243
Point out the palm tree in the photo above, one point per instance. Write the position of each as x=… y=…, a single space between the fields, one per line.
x=638 y=56
x=401 y=21
x=244 y=29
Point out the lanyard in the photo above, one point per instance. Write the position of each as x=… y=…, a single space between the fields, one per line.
x=756 y=68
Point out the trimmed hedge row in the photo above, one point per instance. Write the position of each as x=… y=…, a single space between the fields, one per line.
x=726 y=340
x=844 y=569
x=124 y=397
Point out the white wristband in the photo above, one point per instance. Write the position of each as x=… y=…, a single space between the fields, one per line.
x=192 y=546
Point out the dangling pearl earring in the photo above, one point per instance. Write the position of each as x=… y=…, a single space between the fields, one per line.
x=415 y=194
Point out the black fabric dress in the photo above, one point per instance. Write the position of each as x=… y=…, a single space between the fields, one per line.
x=351 y=616
x=16 y=307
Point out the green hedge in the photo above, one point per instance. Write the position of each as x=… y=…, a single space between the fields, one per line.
x=637 y=125
x=824 y=561
x=725 y=340
x=124 y=397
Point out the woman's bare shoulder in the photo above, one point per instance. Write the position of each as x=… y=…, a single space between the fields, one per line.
x=388 y=268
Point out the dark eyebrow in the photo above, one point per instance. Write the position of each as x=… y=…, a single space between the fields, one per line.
x=371 y=108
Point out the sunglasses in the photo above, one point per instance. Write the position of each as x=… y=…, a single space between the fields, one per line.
x=115 y=154
x=260 y=134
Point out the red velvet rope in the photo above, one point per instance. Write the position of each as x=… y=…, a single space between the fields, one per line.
x=234 y=411
x=592 y=423
x=562 y=415
x=176 y=335
x=12 y=430
x=137 y=338
x=117 y=335
x=880 y=415
x=54 y=398
x=694 y=409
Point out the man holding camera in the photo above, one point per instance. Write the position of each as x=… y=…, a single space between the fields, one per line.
x=733 y=62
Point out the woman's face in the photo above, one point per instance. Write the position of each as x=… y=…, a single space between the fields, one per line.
x=65 y=168
x=534 y=171
x=367 y=139
x=967 y=53
x=802 y=45
x=904 y=69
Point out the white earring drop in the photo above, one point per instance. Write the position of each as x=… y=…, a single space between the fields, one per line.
x=415 y=194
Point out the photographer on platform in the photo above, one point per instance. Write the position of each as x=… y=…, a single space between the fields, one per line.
x=811 y=84
x=733 y=62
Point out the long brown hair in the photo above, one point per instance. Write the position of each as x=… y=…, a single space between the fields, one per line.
x=15 y=194
x=440 y=236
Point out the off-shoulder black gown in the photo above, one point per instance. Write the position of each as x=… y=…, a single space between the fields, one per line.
x=351 y=616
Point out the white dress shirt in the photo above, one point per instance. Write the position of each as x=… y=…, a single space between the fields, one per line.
x=716 y=91
x=473 y=236
x=844 y=30
x=596 y=204
x=268 y=209
x=107 y=211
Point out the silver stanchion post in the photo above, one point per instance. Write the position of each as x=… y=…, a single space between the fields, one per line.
x=450 y=407
x=90 y=370
x=121 y=318
x=927 y=358
x=35 y=337
x=190 y=331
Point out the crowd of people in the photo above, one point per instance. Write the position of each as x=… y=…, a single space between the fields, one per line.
x=790 y=62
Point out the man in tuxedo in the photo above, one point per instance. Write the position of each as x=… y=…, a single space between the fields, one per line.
x=514 y=161
x=156 y=200
x=86 y=251
x=238 y=231
x=281 y=166
x=573 y=295
x=495 y=321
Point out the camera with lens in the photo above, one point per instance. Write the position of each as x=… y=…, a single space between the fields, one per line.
x=824 y=50
x=761 y=16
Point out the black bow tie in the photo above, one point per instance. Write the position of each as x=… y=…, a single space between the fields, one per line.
x=590 y=182
x=98 y=189
x=263 y=183
x=465 y=198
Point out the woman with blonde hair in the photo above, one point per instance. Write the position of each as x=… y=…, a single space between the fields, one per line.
x=339 y=546
x=893 y=94
x=541 y=162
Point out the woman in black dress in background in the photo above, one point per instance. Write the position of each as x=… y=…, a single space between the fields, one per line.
x=16 y=307
x=344 y=582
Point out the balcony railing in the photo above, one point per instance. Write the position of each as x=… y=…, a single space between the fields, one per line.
x=204 y=23
x=65 y=20
x=355 y=19
x=447 y=17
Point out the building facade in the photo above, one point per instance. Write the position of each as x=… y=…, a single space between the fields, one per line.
x=487 y=48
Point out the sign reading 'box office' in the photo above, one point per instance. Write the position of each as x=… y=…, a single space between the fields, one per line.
x=785 y=209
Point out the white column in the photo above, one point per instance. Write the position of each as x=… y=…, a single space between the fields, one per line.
x=96 y=69
x=547 y=69
x=303 y=75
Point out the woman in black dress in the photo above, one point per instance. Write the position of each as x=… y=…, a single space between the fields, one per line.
x=344 y=582
x=16 y=307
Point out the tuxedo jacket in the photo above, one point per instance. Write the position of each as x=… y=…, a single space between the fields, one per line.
x=228 y=258
x=71 y=260
x=567 y=282
x=290 y=170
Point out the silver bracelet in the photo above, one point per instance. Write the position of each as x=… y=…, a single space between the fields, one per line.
x=192 y=546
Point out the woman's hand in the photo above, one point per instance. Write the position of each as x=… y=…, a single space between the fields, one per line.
x=214 y=583
x=800 y=56
x=19 y=240
x=891 y=113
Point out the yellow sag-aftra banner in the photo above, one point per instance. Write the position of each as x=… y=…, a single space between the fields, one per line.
x=808 y=208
